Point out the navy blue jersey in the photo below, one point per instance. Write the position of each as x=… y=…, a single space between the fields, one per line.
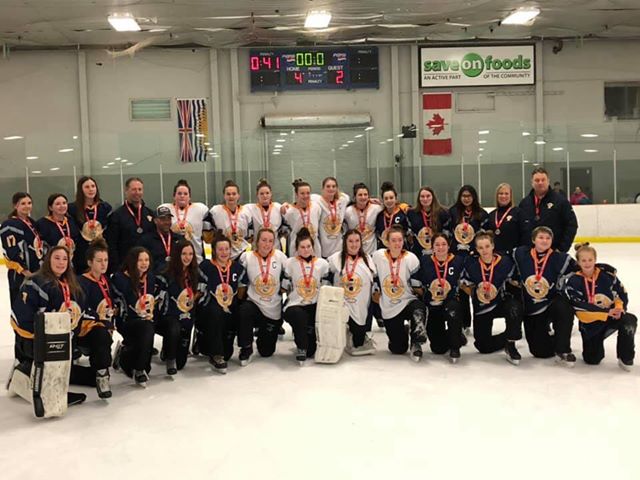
x=464 y=229
x=55 y=233
x=438 y=290
x=489 y=283
x=538 y=290
x=123 y=232
x=214 y=277
x=91 y=223
x=509 y=235
x=423 y=226
x=99 y=302
x=179 y=299
x=23 y=248
x=135 y=303
x=152 y=242
x=384 y=221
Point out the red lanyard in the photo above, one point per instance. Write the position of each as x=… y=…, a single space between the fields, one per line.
x=500 y=221
x=591 y=292
x=264 y=269
x=540 y=265
x=537 y=201
x=386 y=216
x=27 y=222
x=362 y=218
x=91 y=221
x=182 y=220
x=395 y=275
x=233 y=218
x=104 y=288
x=65 y=231
x=307 y=278
x=467 y=214
x=166 y=243
x=187 y=284
x=306 y=219
x=266 y=219
x=143 y=298
x=426 y=219
x=442 y=277
x=352 y=271
x=487 y=282
x=66 y=293
x=137 y=217
x=224 y=279
x=333 y=211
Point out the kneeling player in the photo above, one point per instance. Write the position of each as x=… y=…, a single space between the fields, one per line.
x=600 y=301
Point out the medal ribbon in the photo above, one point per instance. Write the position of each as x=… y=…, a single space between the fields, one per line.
x=395 y=275
x=487 y=282
x=266 y=219
x=182 y=220
x=137 y=217
x=591 y=292
x=352 y=271
x=537 y=201
x=66 y=293
x=233 y=218
x=187 y=284
x=65 y=231
x=333 y=209
x=306 y=219
x=467 y=214
x=426 y=219
x=442 y=277
x=390 y=217
x=104 y=288
x=27 y=222
x=500 y=221
x=166 y=243
x=362 y=218
x=143 y=298
x=264 y=270
x=541 y=264
x=91 y=221
x=225 y=279
x=307 y=278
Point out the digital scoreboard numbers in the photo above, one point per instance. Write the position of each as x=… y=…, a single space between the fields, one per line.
x=308 y=69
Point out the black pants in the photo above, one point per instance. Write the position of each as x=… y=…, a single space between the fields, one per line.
x=176 y=337
x=97 y=346
x=415 y=314
x=216 y=330
x=249 y=315
x=302 y=319
x=374 y=311
x=542 y=344
x=465 y=309
x=358 y=332
x=511 y=310
x=138 y=343
x=444 y=326
x=593 y=336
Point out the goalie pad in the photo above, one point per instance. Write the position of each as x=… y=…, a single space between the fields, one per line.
x=332 y=316
x=48 y=383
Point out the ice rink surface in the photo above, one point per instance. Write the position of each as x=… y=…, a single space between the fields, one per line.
x=377 y=417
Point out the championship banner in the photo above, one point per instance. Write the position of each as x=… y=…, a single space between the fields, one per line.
x=193 y=129
x=436 y=124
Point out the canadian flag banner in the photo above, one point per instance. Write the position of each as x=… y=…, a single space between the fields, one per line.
x=436 y=125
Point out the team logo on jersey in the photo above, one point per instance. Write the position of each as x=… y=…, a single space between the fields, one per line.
x=183 y=228
x=332 y=227
x=384 y=238
x=224 y=296
x=144 y=307
x=352 y=287
x=307 y=291
x=602 y=301
x=537 y=289
x=38 y=248
x=185 y=302
x=394 y=292
x=104 y=312
x=69 y=243
x=439 y=291
x=486 y=295
x=424 y=237
x=366 y=233
x=266 y=289
x=236 y=238
x=464 y=233
x=92 y=230
x=74 y=312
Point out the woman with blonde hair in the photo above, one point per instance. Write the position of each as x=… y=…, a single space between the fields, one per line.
x=506 y=222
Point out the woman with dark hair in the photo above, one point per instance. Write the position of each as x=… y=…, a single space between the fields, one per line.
x=440 y=274
x=506 y=222
x=94 y=338
x=53 y=288
x=188 y=219
x=264 y=267
x=425 y=220
x=181 y=287
x=265 y=213
x=136 y=292
x=354 y=271
x=362 y=215
x=90 y=213
x=232 y=219
x=333 y=204
x=304 y=274
x=304 y=213
x=21 y=242
x=57 y=228
x=216 y=322
x=393 y=213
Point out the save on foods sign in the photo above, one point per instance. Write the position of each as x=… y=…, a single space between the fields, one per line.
x=477 y=66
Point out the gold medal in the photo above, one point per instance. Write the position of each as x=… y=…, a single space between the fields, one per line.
x=439 y=290
x=331 y=226
x=74 y=312
x=266 y=288
x=144 y=306
x=537 y=288
x=393 y=290
x=352 y=287
x=185 y=301
x=464 y=233
x=92 y=230
x=183 y=228
x=307 y=290
x=105 y=312
x=424 y=238
x=602 y=301
x=224 y=296
x=486 y=295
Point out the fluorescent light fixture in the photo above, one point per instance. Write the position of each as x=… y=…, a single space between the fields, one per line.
x=75 y=137
x=117 y=158
x=359 y=136
x=557 y=149
x=317 y=19
x=276 y=153
x=32 y=158
x=65 y=150
x=123 y=22
x=589 y=135
x=124 y=160
x=111 y=163
x=345 y=145
x=292 y=132
x=522 y=16
x=482 y=141
x=13 y=137
x=280 y=140
x=382 y=143
x=37 y=171
x=105 y=166
x=483 y=132
x=128 y=164
x=369 y=129
x=284 y=134
x=525 y=134
x=400 y=135
x=350 y=141
x=539 y=142
x=481 y=149
x=206 y=144
x=54 y=169
x=389 y=139
x=590 y=150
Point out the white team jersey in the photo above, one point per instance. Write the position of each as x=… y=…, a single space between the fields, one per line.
x=331 y=223
x=394 y=298
x=353 y=216
x=258 y=214
x=303 y=292
x=264 y=285
x=294 y=218
x=357 y=289
x=223 y=219
x=190 y=222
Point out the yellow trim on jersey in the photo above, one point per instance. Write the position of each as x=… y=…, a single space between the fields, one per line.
x=590 y=317
x=608 y=239
x=21 y=331
x=11 y=265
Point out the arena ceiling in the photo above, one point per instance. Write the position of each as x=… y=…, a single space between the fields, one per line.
x=36 y=24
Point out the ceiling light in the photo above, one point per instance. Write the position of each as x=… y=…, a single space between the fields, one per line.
x=317 y=19
x=359 y=136
x=32 y=158
x=368 y=129
x=591 y=150
x=124 y=160
x=276 y=153
x=105 y=166
x=525 y=134
x=589 y=135
x=482 y=141
x=128 y=164
x=111 y=163
x=345 y=145
x=75 y=137
x=37 y=171
x=206 y=144
x=13 y=137
x=400 y=135
x=123 y=22
x=557 y=149
x=292 y=132
x=280 y=140
x=522 y=16
x=284 y=134
x=54 y=169
x=65 y=150
x=483 y=132
x=539 y=142
x=389 y=139
x=481 y=149
x=350 y=141
x=382 y=143
x=117 y=158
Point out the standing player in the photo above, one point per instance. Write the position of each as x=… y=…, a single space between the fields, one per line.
x=392 y=214
x=362 y=216
x=333 y=204
x=232 y=219
x=425 y=220
x=57 y=228
x=265 y=213
x=304 y=213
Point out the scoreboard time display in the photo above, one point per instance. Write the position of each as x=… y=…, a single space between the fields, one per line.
x=314 y=68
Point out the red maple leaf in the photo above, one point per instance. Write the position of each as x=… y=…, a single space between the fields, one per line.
x=436 y=124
